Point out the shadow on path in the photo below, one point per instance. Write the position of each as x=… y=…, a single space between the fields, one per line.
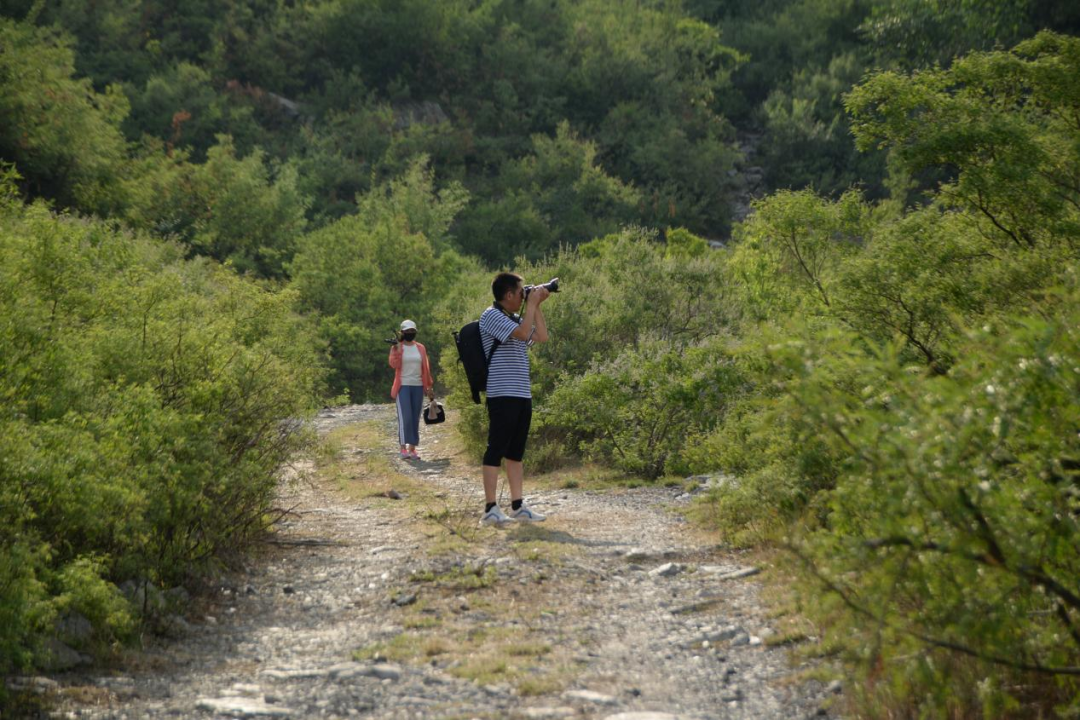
x=526 y=533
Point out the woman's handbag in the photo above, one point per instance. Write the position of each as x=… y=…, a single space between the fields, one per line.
x=434 y=413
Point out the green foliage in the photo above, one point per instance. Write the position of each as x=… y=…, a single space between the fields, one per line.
x=365 y=273
x=625 y=303
x=556 y=196
x=683 y=244
x=789 y=250
x=923 y=33
x=773 y=467
x=808 y=138
x=64 y=136
x=80 y=588
x=236 y=210
x=954 y=524
x=1004 y=122
x=905 y=417
x=637 y=411
x=250 y=219
x=514 y=100
x=182 y=105
x=25 y=611
x=835 y=365
x=148 y=403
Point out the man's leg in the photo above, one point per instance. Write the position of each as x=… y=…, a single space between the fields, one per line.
x=491 y=482
x=500 y=424
x=515 y=473
x=515 y=451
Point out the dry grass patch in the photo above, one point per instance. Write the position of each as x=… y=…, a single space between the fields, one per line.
x=360 y=460
x=513 y=645
x=356 y=459
x=543 y=543
x=584 y=477
x=465 y=577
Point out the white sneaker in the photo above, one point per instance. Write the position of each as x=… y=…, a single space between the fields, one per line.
x=524 y=514
x=494 y=516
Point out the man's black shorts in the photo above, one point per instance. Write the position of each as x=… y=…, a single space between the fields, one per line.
x=508 y=429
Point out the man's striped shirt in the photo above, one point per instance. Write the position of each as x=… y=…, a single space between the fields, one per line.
x=508 y=372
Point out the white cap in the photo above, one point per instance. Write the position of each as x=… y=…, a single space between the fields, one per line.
x=408 y=325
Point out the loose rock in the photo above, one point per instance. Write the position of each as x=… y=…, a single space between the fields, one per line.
x=590 y=696
x=666 y=570
x=242 y=707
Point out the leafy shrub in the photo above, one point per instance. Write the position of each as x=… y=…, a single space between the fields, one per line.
x=638 y=410
x=624 y=298
x=909 y=413
x=954 y=527
x=558 y=195
x=772 y=466
x=147 y=405
x=244 y=211
x=64 y=136
x=364 y=273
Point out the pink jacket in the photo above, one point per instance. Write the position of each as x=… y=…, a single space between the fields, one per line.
x=425 y=369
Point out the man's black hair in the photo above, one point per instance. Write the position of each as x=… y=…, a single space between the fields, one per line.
x=504 y=283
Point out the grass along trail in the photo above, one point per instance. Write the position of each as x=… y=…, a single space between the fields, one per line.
x=379 y=596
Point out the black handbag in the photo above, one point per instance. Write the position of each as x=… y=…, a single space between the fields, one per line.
x=434 y=413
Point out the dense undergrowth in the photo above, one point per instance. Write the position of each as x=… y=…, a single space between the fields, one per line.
x=883 y=362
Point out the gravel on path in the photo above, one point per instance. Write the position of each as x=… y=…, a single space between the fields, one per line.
x=610 y=609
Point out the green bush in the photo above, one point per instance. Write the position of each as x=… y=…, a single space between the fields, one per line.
x=638 y=410
x=953 y=530
x=63 y=134
x=907 y=421
x=772 y=466
x=243 y=211
x=365 y=273
x=558 y=195
x=623 y=299
x=148 y=403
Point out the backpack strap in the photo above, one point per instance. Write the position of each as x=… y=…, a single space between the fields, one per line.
x=494 y=346
x=495 y=342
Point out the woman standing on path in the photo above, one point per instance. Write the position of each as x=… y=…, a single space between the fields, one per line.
x=412 y=380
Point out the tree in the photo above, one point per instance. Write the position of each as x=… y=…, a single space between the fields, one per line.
x=364 y=273
x=1003 y=122
x=556 y=196
x=64 y=136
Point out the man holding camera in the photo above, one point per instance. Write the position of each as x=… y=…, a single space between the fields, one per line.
x=506 y=337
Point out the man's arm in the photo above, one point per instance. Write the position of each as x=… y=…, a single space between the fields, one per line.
x=541 y=334
x=532 y=304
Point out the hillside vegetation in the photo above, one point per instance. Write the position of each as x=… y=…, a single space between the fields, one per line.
x=212 y=213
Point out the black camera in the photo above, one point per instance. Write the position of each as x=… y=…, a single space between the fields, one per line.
x=552 y=285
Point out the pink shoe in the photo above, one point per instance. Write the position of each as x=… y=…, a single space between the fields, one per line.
x=414 y=455
x=405 y=455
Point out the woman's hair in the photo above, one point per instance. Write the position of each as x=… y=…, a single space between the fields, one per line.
x=504 y=283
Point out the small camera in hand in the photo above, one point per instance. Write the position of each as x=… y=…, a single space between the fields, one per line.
x=391 y=340
x=552 y=285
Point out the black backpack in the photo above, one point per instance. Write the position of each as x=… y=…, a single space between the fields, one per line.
x=471 y=353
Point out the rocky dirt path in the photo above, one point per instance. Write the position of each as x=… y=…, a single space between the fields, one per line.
x=370 y=605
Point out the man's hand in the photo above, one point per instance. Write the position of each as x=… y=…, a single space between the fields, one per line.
x=538 y=295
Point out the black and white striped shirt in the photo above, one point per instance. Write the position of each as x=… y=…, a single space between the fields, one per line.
x=508 y=372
